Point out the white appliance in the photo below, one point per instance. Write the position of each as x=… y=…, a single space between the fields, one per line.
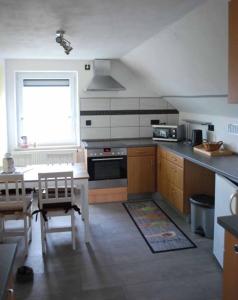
x=224 y=190
x=170 y=133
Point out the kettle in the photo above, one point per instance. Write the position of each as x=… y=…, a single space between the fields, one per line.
x=196 y=137
x=8 y=163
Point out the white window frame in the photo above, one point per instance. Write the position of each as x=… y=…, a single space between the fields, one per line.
x=72 y=77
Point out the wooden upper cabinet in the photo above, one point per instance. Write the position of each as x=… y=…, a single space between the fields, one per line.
x=233 y=52
x=141 y=170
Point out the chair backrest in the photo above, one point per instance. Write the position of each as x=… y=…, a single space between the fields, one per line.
x=12 y=188
x=53 y=185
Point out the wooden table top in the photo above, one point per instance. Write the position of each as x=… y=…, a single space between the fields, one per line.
x=31 y=172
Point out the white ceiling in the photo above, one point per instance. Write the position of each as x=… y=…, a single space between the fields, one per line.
x=96 y=28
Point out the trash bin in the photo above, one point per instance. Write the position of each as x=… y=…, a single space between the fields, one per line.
x=202 y=215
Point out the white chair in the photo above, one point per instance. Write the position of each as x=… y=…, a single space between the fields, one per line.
x=15 y=204
x=56 y=198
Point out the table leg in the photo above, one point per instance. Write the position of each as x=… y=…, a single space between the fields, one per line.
x=85 y=212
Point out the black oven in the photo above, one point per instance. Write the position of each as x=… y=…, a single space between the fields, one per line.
x=107 y=167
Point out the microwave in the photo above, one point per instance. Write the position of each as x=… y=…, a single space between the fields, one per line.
x=170 y=133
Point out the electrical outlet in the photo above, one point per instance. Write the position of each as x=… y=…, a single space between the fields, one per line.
x=154 y=122
x=233 y=129
x=87 y=67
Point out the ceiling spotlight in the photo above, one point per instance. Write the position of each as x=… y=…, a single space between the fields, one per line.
x=63 y=42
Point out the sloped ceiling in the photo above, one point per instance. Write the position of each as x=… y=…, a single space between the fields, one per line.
x=189 y=58
x=96 y=28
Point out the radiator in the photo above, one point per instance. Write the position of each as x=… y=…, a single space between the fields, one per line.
x=34 y=157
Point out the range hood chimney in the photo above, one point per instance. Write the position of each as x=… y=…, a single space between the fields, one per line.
x=102 y=79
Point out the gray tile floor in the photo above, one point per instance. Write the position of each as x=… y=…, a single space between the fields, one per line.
x=118 y=264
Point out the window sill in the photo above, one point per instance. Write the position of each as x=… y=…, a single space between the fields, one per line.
x=47 y=148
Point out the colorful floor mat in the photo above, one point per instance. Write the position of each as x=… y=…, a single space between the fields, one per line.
x=159 y=231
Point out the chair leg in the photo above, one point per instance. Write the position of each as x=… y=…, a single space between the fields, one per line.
x=30 y=228
x=26 y=235
x=42 y=235
x=73 y=229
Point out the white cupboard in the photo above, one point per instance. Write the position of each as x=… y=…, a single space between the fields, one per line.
x=224 y=188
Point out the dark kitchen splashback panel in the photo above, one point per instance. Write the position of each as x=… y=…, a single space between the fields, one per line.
x=128 y=112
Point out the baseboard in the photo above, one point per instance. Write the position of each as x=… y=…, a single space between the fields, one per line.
x=107 y=195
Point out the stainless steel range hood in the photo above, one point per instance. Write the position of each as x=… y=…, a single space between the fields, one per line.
x=102 y=79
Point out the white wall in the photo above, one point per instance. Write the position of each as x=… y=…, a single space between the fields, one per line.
x=189 y=58
x=135 y=87
x=221 y=127
x=3 y=124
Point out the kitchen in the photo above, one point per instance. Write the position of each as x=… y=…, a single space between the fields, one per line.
x=172 y=69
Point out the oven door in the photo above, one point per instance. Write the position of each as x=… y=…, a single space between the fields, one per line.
x=107 y=171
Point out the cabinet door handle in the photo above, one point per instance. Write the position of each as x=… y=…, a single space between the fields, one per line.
x=236 y=248
x=233 y=196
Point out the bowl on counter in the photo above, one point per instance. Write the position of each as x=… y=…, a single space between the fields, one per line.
x=212 y=146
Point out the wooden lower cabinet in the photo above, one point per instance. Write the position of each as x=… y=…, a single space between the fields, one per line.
x=175 y=175
x=176 y=197
x=170 y=179
x=178 y=179
x=230 y=272
x=162 y=180
x=141 y=170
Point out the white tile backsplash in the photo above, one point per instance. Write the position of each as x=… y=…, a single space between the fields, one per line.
x=124 y=103
x=95 y=104
x=146 y=132
x=96 y=121
x=145 y=120
x=125 y=120
x=125 y=132
x=122 y=126
x=153 y=103
x=95 y=133
x=173 y=119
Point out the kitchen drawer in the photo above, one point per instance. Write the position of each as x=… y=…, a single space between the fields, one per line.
x=178 y=160
x=141 y=151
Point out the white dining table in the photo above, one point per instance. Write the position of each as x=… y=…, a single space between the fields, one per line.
x=80 y=176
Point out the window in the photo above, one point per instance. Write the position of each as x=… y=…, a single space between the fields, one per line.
x=47 y=108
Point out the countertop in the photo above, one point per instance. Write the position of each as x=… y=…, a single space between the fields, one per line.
x=229 y=223
x=226 y=166
x=118 y=143
x=7 y=255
